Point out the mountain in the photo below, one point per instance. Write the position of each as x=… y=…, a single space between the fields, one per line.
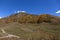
x=31 y=27
x=30 y=18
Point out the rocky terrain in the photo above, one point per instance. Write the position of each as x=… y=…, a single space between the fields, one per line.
x=30 y=27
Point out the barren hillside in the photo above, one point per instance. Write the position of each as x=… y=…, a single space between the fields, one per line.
x=31 y=27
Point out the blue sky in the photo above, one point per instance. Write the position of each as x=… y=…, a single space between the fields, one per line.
x=8 y=7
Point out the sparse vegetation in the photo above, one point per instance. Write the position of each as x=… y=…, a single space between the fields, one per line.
x=32 y=27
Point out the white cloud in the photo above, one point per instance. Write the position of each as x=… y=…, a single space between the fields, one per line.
x=0 y=17
x=20 y=11
x=58 y=11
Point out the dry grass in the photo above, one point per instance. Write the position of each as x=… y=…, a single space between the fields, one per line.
x=32 y=27
x=39 y=32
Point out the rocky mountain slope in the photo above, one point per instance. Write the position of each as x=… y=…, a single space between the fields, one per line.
x=31 y=27
x=30 y=18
